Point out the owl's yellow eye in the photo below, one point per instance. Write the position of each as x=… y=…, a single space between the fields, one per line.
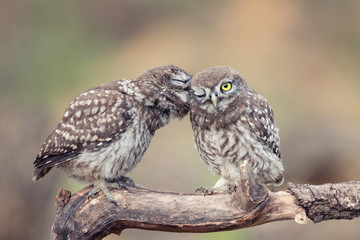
x=226 y=86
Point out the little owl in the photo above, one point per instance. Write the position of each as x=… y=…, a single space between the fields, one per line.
x=233 y=124
x=106 y=130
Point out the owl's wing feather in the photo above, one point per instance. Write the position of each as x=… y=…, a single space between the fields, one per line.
x=96 y=117
x=260 y=118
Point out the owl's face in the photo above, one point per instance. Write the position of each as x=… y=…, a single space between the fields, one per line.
x=166 y=88
x=215 y=88
x=169 y=81
x=176 y=82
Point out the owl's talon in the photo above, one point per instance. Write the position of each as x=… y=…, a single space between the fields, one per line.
x=92 y=192
x=111 y=199
x=201 y=189
x=232 y=187
x=205 y=190
x=102 y=186
x=126 y=180
x=109 y=196
x=120 y=182
x=121 y=185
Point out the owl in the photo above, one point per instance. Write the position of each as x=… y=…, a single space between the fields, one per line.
x=233 y=124
x=106 y=130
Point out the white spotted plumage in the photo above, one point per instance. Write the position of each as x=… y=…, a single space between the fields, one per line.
x=106 y=130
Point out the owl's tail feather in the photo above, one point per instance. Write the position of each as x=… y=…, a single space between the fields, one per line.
x=40 y=172
x=44 y=165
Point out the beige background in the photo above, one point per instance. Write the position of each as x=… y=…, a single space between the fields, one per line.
x=303 y=56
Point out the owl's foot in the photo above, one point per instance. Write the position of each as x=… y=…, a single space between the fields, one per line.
x=102 y=186
x=231 y=187
x=121 y=182
x=205 y=190
x=127 y=180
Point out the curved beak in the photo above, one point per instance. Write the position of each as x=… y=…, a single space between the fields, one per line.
x=214 y=98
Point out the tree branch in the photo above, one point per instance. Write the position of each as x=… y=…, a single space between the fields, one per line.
x=252 y=204
x=328 y=201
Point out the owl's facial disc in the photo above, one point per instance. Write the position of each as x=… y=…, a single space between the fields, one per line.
x=180 y=79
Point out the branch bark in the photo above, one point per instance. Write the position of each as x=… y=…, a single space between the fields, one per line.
x=252 y=204
x=328 y=201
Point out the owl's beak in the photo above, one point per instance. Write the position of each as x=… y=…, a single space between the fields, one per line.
x=214 y=98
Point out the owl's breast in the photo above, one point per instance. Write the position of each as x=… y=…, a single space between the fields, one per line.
x=221 y=149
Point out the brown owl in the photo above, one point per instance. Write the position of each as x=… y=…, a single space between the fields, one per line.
x=106 y=130
x=233 y=124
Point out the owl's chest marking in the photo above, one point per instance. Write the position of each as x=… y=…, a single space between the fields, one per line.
x=220 y=149
x=224 y=150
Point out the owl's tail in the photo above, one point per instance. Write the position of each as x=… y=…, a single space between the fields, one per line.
x=40 y=172
x=44 y=165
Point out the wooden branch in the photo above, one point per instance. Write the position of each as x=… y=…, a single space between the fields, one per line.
x=328 y=201
x=252 y=204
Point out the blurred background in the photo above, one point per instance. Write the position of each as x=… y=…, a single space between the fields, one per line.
x=303 y=56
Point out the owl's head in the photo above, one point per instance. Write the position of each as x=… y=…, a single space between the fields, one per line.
x=168 y=88
x=168 y=78
x=215 y=88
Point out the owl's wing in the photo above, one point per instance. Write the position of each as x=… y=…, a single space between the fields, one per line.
x=260 y=118
x=95 y=118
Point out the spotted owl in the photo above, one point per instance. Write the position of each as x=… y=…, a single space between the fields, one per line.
x=233 y=124
x=106 y=130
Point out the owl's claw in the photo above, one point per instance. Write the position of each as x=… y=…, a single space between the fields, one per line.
x=111 y=199
x=121 y=182
x=101 y=187
x=91 y=193
x=231 y=187
x=126 y=180
x=205 y=190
